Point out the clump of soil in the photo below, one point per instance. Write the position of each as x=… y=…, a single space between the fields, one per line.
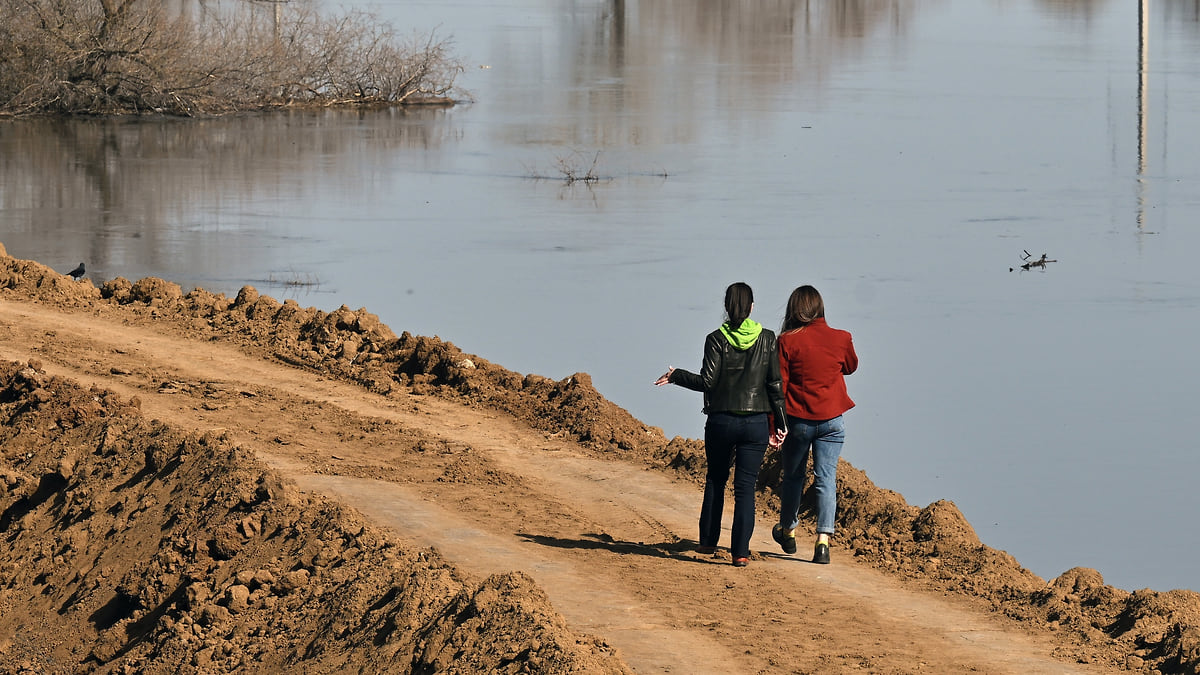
x=933 y=546
x=144 y=549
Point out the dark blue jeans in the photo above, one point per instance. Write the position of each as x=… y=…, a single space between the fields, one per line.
x=737 y=442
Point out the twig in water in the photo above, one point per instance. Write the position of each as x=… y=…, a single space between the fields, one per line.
x=1030 y=264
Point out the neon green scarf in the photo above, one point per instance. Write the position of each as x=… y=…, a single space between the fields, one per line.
x=745 y=336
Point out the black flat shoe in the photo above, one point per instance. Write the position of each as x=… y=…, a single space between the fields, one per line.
x=821 y=554
x=788 y=544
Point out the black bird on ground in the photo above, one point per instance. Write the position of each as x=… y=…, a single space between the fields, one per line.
x=76 y=273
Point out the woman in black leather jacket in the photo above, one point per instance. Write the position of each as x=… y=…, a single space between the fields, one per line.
x=743 y=398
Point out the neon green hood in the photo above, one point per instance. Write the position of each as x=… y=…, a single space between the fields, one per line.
x=745 y=336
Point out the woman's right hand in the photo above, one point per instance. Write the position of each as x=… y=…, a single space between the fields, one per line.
x=777 y=437
x=665 y=377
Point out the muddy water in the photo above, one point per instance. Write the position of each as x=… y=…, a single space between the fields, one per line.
x=900 y=156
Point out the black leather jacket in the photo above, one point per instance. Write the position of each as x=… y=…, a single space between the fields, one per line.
x=738 y=381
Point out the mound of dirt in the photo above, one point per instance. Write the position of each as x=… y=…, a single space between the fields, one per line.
x=146 y=549
x=934 y=546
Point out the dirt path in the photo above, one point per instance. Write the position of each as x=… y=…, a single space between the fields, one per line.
x=610 y=543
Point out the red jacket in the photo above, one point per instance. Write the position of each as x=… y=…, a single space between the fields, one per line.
x=813 y=362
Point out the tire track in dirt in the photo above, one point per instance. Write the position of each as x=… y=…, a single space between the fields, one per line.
x=612 y=550
x=648 y=642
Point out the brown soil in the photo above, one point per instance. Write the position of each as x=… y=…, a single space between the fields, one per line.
x=192 y=483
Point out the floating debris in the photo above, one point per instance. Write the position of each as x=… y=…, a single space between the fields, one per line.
x=1030 y=264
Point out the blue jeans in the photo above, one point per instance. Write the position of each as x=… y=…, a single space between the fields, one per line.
x=738 y=442
x=825 y=440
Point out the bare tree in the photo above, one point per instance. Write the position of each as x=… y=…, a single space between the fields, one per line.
x=132 y=56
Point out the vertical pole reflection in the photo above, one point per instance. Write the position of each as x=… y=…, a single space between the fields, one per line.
x=618 y=36
x=1143 y=105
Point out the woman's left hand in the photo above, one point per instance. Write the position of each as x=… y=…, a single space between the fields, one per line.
x=665 y=377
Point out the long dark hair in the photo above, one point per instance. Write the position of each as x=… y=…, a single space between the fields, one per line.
x=739 y=298
x=804 y=306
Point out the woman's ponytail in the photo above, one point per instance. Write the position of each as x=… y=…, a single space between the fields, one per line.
x=739 y=299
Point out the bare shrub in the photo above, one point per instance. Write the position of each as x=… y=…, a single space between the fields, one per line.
x=573 y=168
x=133 y=56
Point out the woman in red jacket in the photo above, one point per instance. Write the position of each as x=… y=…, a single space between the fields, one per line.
x=813 y=362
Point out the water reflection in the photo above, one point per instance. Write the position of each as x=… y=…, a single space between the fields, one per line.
x=1143 y=103
x=207 y=11
x=642 y=73
x=1085 y=10
x=129 y=186
x=1186 y=14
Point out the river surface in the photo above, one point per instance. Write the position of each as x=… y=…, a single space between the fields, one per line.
x=903 y=157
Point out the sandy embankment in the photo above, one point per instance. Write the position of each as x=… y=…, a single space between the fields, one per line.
x=135 y=539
